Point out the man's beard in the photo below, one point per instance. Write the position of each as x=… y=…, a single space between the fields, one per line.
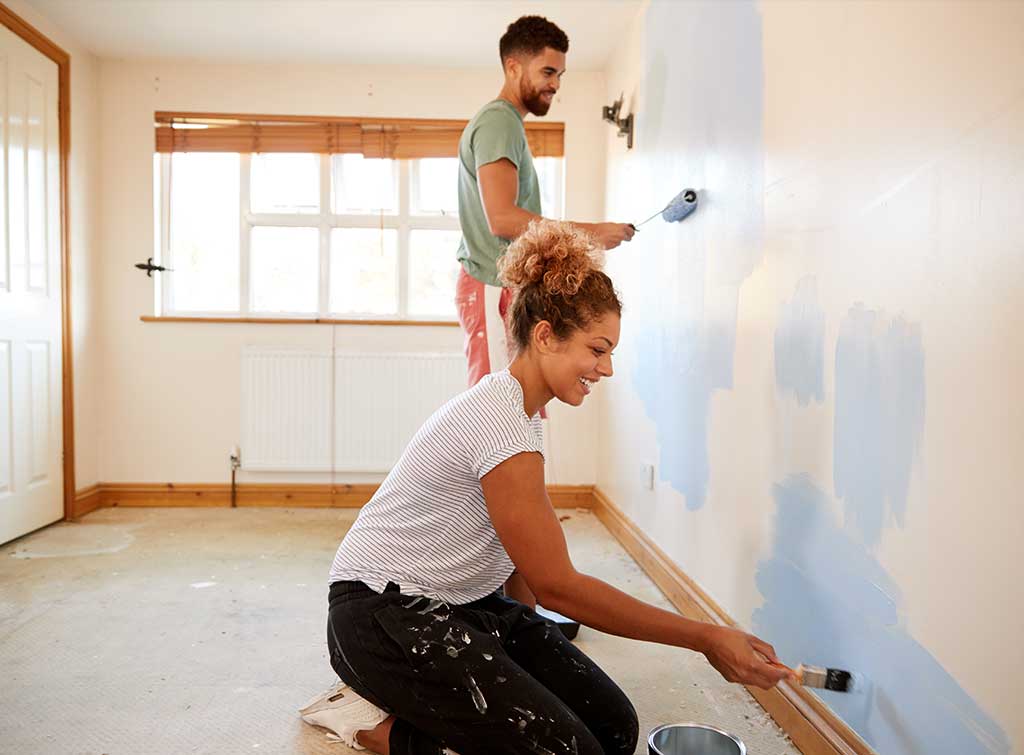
x=532 y=99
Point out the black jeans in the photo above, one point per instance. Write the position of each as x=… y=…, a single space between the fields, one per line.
x=486 y=677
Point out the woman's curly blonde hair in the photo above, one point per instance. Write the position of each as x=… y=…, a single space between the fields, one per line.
x=554 y=271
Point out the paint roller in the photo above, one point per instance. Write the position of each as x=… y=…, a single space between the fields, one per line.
x=677 y=210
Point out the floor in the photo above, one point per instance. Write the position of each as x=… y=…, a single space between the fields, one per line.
x=202 y=630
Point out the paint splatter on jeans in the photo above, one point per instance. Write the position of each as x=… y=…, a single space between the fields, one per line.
x=489 y=676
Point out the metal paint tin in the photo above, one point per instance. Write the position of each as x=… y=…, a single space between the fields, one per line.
x=693 y=739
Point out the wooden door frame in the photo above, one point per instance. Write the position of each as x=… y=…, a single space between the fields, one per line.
x=47 y=47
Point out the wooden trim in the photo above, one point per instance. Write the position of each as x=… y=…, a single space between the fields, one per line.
x=142 y=494
x=33 y=36
x=571 y=496
x=219 y=494
x=301 y=321
x=47 y=47
x=814 y=728
x=87 y=500
x=166 y=494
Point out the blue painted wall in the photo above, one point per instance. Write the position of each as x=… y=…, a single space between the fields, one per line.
x=830 y=603
x=703 y=129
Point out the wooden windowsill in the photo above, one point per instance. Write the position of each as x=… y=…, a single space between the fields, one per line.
x=301 y=321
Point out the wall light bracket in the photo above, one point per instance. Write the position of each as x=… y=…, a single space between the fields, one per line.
x=610 y=113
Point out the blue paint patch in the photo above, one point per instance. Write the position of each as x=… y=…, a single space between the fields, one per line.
x=828 y=602
x=700 y=125
x=672 y=379
x=879 y=420
x=800 y=345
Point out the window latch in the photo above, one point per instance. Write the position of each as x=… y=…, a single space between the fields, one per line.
x=149 y=267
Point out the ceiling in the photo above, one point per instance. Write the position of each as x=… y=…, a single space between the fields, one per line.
x=456 y=33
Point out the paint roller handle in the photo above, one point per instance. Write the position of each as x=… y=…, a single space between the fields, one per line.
x=636 y=226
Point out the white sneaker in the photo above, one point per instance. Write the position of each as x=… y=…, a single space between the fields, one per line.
x=344 y=712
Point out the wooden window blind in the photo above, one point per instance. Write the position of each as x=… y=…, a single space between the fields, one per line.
x=395 y=138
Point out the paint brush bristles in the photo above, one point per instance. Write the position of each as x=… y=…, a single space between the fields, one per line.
x=834 y=679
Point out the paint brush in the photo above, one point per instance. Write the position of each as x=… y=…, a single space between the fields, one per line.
x=834 y=679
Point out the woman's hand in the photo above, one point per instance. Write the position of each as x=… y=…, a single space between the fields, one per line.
x=743 y=658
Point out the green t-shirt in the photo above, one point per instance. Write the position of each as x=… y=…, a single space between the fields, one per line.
x=495 y=132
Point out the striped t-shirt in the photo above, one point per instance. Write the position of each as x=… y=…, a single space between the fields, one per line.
x=427 y=527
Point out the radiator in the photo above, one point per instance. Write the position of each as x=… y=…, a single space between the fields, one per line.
x=303 y=413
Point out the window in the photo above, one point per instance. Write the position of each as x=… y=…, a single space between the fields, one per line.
x=314 y=235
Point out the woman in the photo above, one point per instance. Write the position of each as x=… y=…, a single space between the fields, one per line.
x=432 y=655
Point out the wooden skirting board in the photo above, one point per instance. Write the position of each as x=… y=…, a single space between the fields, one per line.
x=814 y=728
x=86 y=500
x=108 y=494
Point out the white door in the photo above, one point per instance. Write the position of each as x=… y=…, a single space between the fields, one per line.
x=31 y=418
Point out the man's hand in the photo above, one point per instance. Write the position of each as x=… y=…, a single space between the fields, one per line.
x=740 y=657
x=610 y=235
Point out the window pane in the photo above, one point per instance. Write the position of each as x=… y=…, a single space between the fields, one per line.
x=364 y=271
x=360 y=185
x=285 y=183
x=549 y=176
x=284 y=264
x=436 y=190
x=204 y=232
x=432 y=272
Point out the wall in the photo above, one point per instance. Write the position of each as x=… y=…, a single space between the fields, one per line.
x=170 y=391
x=824 y=361
x=83 y=178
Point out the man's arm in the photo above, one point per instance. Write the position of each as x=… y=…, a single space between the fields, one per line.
x=499 y=188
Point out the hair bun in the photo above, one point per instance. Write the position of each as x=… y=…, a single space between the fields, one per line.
x=556 y=255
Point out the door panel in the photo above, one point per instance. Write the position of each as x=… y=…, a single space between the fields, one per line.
x=31 y=441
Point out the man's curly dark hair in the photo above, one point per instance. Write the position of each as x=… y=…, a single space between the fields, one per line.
x=529 y=35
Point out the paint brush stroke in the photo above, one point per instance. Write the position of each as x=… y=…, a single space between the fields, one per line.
x=879 y=420
x=800 y=345
x=829 y=602
x=672 y=379
x=699 y=129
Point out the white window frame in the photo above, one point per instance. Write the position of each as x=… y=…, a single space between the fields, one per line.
x=556 y=212
x=403 y=221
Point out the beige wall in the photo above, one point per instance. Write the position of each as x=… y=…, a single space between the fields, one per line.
x=83 y=185
x=825 y=360
x=170 y=391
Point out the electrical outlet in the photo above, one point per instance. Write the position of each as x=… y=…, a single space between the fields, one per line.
x=647 y=475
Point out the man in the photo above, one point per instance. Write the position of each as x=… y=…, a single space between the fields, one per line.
x=498 y=190
x=498 y=197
